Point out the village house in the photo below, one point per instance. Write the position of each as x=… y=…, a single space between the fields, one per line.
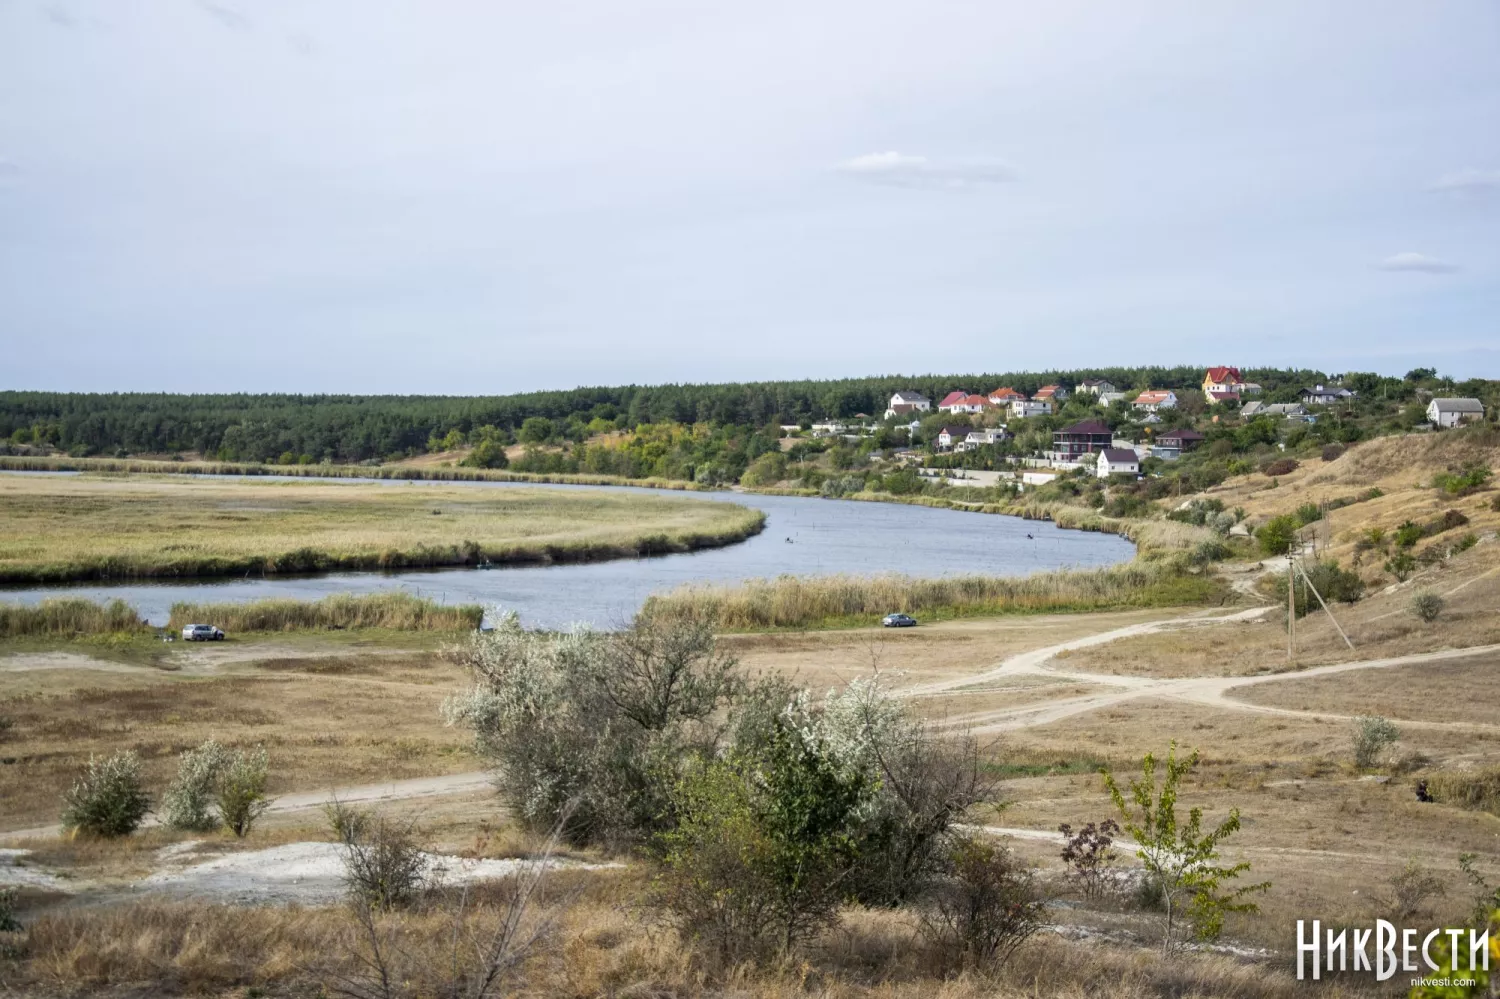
x=1113 y=460
x=949 y=436
x=1325 y=395
x=903 y=403
x=1223 y=379
x=1214 y=398
x=1023 y=407
x=1052 y=393
x=976 y=439
x=961 y=402
x=1095 y=387
x=1172 y=444
x=1006 y=396
x=1071 y=443
x=1153 y=400
x=1442 y=413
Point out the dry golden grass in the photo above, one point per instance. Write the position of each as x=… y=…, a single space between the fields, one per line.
x=69 y=616
x=326 y=722
x=84 y=528
x=400 y=611
x=1464 y=690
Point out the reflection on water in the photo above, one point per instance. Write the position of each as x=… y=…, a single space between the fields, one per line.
x=803 y=536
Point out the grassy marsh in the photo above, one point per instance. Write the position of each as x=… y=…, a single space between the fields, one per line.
x=64 y=529
x=395 y=611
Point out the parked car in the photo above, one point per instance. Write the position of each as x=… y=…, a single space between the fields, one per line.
x=898 y=621
x=202 y=633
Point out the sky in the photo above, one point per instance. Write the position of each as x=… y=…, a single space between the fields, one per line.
x=463 y=198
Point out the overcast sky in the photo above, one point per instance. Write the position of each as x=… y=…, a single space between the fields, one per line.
x=361 y=195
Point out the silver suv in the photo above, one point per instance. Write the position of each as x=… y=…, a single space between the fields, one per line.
x=202 y=633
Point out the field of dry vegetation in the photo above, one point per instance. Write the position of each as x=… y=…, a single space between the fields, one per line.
x=1053 y=696
x=61 y=529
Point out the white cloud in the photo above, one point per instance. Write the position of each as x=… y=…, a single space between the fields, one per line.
x=1467 y=180
x=1419 y=262
x=900 y=170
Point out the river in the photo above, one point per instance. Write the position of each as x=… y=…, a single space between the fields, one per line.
x=804 y=536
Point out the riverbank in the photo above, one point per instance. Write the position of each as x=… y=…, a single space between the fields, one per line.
x=793 y=602
x=63 y=529
x=409 y=473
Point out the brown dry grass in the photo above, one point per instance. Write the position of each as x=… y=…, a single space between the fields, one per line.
x=1466 y=690
x=326 y=721
x=1380 y=625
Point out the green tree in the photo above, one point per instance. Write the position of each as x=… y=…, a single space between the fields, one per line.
x=487 y=454
x=1181 y=860
x=536 y=430
x=108 y=798
x=1277 y=535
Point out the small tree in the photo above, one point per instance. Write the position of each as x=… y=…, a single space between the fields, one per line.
x=1090 y=853
x=108 y=798
x=988 y=905
x=1426 y=606
x=1372 y=734
x=1277 y=535
x=242 y=790
x=1401 y=565
x=384 y=866
x=1182 y=860
x=1410 y=890
x=188 y=803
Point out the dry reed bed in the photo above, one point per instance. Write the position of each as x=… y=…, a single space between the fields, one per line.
x=795 y=601
x=10 y=463
x=68 y=616
x=396 y=611
x=121 y=528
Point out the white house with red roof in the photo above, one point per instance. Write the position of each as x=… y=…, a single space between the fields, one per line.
x=959 y=402
x=905 y=403
x=1153 y=400
x=1006 y=396
x=1051 y=393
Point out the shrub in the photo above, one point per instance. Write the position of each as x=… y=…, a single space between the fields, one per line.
x=1090 y=853
x=108 y=798
x=1401 y=565
x=1372 y=734
x=8 y=921
x=188 y=802
x=987 y=906
x=487 y=454
x=1332 y=452
x=1281 y=466
x=1180 y=859
x=1463 y=481
x=593 y=726
x=1307 y=513
x=1277 y=535
x=241 y=790
x=1410 y=889
x=1426 y=606
x=762 y=845
x=1332 y=583
x=1408 y=534
x=384 y=866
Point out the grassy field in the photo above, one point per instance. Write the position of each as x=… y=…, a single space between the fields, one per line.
x=833 y=601
x=62 y=529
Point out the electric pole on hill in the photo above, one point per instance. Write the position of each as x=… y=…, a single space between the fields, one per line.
x=1291 y=608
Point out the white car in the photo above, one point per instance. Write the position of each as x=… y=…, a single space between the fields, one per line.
x=202 y=633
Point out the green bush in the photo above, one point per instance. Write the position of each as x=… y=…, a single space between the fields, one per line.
x=1463 y=481
x=1426 y=606
x=487 y=454
x=1408 y=534
x=1277 y=535
x=108 y=798
x=1372 y=735
x=1401 y=565
x=1331 y=581
x=241 y=790
x=188 y=802
x=1308 y=513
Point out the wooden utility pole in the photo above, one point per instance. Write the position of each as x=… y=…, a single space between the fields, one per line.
x=1291 y=609
x=1307 y=581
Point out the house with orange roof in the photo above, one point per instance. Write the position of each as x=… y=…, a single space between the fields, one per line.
x=1051 y=393
x=1006 y=396
x=1153 y=400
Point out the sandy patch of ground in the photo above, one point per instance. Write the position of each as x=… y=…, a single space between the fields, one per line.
x=301 y=873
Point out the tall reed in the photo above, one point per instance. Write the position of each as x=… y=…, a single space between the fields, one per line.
x=798 y=601
x=397 y=611
x=68 y=616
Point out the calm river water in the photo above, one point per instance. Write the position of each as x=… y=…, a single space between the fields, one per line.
x=803 y=536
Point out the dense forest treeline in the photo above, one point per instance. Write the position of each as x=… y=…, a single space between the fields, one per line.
x=351 y=428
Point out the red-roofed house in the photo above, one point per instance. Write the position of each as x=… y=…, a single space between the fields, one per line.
x=1152 y=400
x=957 y=402
x=1225 y=379
x=1051 y=393
x=1006 y=396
